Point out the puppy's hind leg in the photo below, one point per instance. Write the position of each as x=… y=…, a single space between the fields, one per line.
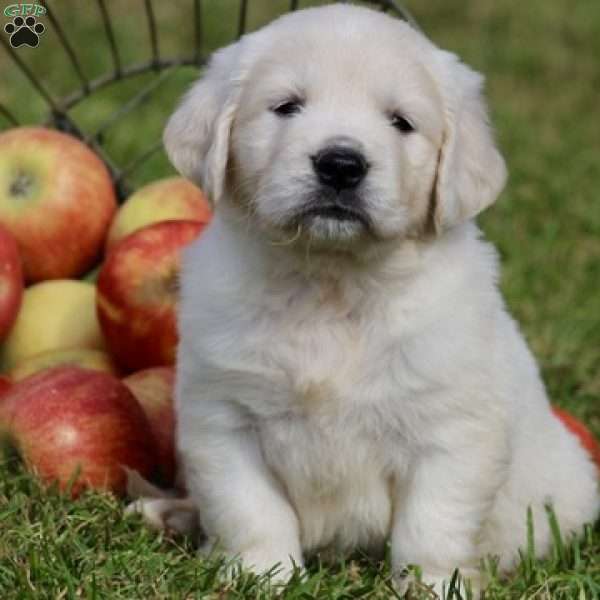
x=550 y=469
x=171 y=514
x=161 y=509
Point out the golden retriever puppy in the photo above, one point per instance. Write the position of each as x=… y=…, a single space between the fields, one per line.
x=347 y=372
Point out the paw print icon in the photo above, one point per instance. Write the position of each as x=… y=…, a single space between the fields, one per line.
x=24 y=32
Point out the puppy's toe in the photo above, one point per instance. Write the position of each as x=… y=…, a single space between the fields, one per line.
x=171 y=514
x=436 y=586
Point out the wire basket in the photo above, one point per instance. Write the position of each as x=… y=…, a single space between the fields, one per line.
x=128 y=82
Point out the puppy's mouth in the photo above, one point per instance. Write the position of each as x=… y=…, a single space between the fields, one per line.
x=331 y=211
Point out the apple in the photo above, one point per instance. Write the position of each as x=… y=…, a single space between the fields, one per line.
x=56 y=198
x=54 y=314
x=77 y=357
x=137 y=294
x=153 y=389
x=11 y=281
x=80 y=427
x=174 y=198
x=5 y=384
x=586 y=437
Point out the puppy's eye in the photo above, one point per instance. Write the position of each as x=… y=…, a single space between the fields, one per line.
x=401 y=123
x=287 y=108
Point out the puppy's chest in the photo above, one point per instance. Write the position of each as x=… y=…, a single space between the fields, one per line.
x=322 y=368
x=334 y=384
x=326 y=362
x=321 y=354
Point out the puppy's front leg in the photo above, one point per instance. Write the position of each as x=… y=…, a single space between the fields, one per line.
x=441 y=509
x=242 y=506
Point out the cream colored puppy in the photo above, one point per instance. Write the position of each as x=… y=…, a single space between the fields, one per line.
x=347 y=372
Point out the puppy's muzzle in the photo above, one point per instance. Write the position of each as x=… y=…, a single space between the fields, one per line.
x=340 y=167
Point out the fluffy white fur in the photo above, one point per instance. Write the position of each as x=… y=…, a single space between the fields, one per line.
x=337 y=388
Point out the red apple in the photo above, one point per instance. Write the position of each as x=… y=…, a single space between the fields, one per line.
x=171 y=199
x=75 y=425
x=5 y=384
x=586 y=437
x=137 y=294
x=11 y=281
x=56 y=198
x=153 y=389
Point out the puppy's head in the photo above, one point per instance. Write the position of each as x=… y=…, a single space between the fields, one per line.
x=342 y=126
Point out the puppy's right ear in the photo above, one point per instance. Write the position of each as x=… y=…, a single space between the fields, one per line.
x=197 y=135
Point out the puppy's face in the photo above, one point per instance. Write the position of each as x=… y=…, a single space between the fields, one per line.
x=340 y=126
x=329 y=144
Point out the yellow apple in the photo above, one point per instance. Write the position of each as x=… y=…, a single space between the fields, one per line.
x=55 y=314
x=171 y=199
x=96 y=360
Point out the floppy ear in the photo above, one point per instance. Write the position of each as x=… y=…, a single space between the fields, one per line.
x=471 y=171
x=197 y=135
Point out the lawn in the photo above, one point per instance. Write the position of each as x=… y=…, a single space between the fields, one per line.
x=543 y=83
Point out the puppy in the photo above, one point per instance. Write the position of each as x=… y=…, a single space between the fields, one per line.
x=347 y=372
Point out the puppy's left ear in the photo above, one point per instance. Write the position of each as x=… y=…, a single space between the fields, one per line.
x=471 y=171
x=197 y=135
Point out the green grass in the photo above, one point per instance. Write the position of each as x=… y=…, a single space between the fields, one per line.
x=51 y=547
x=543 y=81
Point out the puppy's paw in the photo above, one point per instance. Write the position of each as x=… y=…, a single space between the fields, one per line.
x=260 y=559
x=436 y=586
x=177 y=515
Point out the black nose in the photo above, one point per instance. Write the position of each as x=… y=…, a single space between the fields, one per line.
x=340 y=167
